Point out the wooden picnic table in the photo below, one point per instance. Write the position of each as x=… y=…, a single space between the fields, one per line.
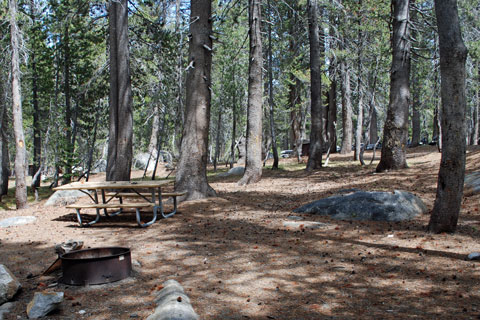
x=104 y=196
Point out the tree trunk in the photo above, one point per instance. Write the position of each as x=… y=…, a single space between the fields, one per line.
x=37 y=139
x=21 y=153
x=373 y=126
x=453 y=55
x=395 y=132
x=332 y=113
x=234 y=120
x=315 y=150
x=270 y=95
x=217 y=139
x=476 y=113
x=153 y=143
x=253 y=166
x=119 y=159
x=4 y=158
x=295 y=115
x=416 y=105
x=347 y=125
x=192 y=168
x=68 y=109
x=360 y=107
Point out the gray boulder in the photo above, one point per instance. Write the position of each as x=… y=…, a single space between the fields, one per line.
x=9 y=285
x=140 y=161
x=472 y=184
x=43 y=303
x=17 y=221
x=375 y=206
x=64 y=197
x=173 y=303
x=236 y=171
x=100 y=166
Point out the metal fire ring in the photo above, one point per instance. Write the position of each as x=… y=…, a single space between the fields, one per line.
x=96 y=265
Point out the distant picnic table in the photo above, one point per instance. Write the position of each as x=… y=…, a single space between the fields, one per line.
x=118 y=194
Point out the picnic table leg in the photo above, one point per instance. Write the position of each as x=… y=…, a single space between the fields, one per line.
x=139 y=219
x=79 y=218
x=167 y=215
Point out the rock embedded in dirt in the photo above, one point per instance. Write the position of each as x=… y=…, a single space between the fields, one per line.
x=9 y=285
x=173 y=303
x=64 y=197
x=17 y=221
x=5 y=309
x=365 y=205
x=304 y=224
x=472 y=184
x=43 y=303
x=474 y=256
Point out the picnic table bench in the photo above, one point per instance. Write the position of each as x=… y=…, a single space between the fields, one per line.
x=102 y=194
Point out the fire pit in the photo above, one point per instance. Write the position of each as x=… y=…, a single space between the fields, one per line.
x=96 y=265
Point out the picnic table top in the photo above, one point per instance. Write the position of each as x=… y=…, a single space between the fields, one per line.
x=81 y=185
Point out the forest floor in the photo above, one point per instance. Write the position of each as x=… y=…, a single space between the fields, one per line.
x=236 y=258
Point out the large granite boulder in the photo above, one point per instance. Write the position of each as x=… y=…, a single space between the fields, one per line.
x=363 y=205
x=472 y=184
x=64 y=197
x=9 y=285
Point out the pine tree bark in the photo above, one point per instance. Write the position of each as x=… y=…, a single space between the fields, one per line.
x=253 y=165
x=476 y=113
x=360 y=106
x=316 y=113
x=416 y=105
x=373 y=126
x=20 y=149
x=119 y=159
x=270 y=95
x=453 y=55
x=37 y=139
x=4 y=158
x=347 y=124
x=192 y=168
x=395 y=133
x=332 y=113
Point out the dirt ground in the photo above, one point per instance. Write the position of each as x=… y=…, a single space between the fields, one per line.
x=237 y=260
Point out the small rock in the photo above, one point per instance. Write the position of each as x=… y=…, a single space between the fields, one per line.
x=137 y=263
x=17 y=221
x=134 y=315
x=304 y=224
x=9 y=285
x=82 y=312
x=294 y=218
x=474 y=256
x=43 y=303
x=5 y=309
